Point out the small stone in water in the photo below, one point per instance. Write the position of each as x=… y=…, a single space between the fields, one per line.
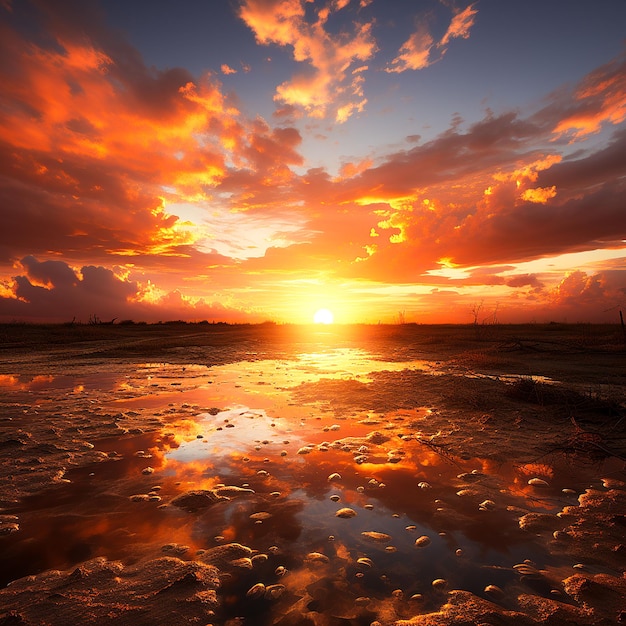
x=261 y=515
x=365 y=562
x=422 y=542
x=376 y=536
x=494 y=590
x=274 y=591
x=439 y=583
x=345 y=513
x=424 y=485
x=335 y=498
x=147 y=470
x=459 y=552
x=538 y=482
x=281 y=570
x=334 y=476
x=256 y=591
x=369 y=507
x=487 y=505
x=316 y=557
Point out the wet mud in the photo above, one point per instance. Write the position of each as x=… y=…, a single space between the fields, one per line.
x=263 y=475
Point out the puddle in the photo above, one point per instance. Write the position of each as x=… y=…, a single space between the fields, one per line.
x=238 y=425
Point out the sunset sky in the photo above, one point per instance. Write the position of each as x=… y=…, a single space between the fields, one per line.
x=251 y=160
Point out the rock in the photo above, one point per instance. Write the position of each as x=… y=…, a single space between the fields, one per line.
x=175 y=549
x=345 y=513
x=316 y=558
x=422 y=542
x=535 y=522
x=256 y=591
x=377 y=437
x=260 y=516
x=376 y=537
x=196 y=500
x=231 y=491
x=538 y=482
x=273 y=592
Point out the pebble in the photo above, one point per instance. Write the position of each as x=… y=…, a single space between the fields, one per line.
x=316 y=557
x=494 y=590
x=305 y=450
x=365 y=562
x=422 y=542
x=335 y=498
x=256 y=591
x=281 y=570
x=139 y=497
x=345 y=513
x=334 y=476
x=487 y=505
x=261 y=515
x=376 y=536
x=273 y=592
x=147 y=470
x=538 y=482
x=439 y=583
x=424 y=485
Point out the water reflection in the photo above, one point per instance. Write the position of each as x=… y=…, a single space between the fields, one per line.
x=296 y=465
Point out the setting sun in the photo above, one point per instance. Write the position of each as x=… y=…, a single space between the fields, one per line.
x=323 y=316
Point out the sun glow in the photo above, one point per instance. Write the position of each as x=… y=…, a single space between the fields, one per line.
x=323 y=316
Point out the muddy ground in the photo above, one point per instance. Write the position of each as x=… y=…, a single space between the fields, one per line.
x=504 y=394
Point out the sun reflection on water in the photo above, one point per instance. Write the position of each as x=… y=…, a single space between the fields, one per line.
x=291 y=465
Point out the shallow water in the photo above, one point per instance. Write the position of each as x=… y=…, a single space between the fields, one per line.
x=241 y=425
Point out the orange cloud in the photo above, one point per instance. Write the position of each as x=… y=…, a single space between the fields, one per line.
x=540 y=194
x=327 y=84
x=416 y=52
x=460 y=25
x=600 y=99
